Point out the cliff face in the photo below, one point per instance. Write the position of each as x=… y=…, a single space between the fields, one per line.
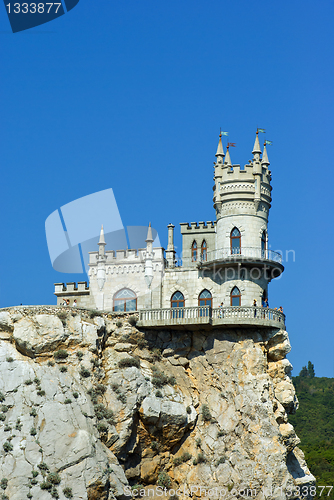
x=90 y=405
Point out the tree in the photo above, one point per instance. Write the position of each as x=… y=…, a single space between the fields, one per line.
x=310 y=369
x=304 y=372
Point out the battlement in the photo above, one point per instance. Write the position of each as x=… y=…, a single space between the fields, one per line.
x=126 y=256
x=200 y=227
x=80 y=289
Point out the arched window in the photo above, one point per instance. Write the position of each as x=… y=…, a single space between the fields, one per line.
x=205 y=298
x=235 y=241
x=235 y=297
x=194 y=252
x=263 y=244
x=125 y=300
x=177 y=300
x=204 y=251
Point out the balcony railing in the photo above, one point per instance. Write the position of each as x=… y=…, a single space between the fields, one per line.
x=205 y=315
x=238 y=254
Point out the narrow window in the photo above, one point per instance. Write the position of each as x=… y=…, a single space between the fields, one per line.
x=263 y=244
x=205 y=298
x=177 y=300
x=235 y=241
x=194 y=252
x=125 y=300
x=204 y=251
x=235 y=297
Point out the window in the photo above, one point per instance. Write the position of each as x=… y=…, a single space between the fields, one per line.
x=235 y=297
x=125 y=300
x=235 y=241
x=194 y=252
x=177 y=300
x=263 y=244
x=205 y=298
x=204 y=251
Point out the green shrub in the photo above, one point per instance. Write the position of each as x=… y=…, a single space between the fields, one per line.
x=75 y=395
x=33 y=431
x=156 y=354
x=133 y=320
x=141 y=343
x=68 y=401
x=80 y=355
x=101 y=412
x=40 y=393
x=84 y=372
x=188 y=409
x=33 y=481
x=126 y=362
x=33 y=412
x=36 y=380
x=51 y=363
x=122 y=397
x=206 y=413
x=29 y=495
x=68 y=492
x=221 y=460
x=100 y=389
x=34 y=473
x=2 y=417
x=119 y=324
x=154 y=445
x=3 y=483
x=7 y=446
x=221 y=433
x=53 y=478
x=61 y=354
x=28 y=382
x=182 y=459
x=43 y=467
x=54 y=492
x=7 y=428
x=45 y=485
x=18 y=425
x=9 y=359
x=198 y=442
x=4 y=408
x=2 y=397
x=102 y=427
x=164 y=480
x=158 y=394
x=63 y=369
x=160 y=379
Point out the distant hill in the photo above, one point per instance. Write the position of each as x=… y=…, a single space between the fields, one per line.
x=314 y=424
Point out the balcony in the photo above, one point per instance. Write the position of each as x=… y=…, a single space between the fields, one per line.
x=205 y=316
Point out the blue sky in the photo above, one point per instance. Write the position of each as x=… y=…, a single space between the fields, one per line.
x=131 y=95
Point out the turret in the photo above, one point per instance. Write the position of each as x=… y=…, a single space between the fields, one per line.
x=170 y=252
x=149 y=257
x=101 y=261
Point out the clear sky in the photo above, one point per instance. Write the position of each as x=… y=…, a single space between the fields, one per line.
x=131 y=94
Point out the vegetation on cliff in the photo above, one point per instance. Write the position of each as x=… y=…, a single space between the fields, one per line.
x=314 y=424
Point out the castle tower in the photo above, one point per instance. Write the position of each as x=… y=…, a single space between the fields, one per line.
x=242 y=200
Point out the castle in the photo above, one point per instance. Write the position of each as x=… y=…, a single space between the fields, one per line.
x=226 y=262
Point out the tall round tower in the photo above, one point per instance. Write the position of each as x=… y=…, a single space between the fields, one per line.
x=242 y=199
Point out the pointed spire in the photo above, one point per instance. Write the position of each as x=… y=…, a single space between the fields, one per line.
x=227 y=157
x=265 y=160
x=102 y=240
x=220 y=150
x=149 y=237
x=256 y=148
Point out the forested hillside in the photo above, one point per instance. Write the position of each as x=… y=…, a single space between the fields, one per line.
x=314 y=424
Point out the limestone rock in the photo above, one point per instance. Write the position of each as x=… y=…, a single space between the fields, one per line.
x=41 y=334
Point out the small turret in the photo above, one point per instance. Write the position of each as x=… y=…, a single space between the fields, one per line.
x=220 y=150
x=257 y=171
x=170 y=252
x=228 y=157
x=265 y=162
x=149 y=257
x=101 y=261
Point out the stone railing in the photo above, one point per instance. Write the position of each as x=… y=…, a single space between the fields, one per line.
x=238 y=254
x=205 y=315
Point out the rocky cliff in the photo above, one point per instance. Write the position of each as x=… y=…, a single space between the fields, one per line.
x=91 y=408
